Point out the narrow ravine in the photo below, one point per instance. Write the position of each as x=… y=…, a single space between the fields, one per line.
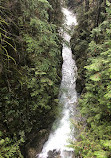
x=58 y=140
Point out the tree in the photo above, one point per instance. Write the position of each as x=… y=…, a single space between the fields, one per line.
x=30 y=62
x=94 y=139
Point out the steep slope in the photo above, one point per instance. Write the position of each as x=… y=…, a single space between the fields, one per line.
x=92 y=49
x=30 y=62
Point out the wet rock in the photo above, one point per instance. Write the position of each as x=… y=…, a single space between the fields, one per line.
x=54 y=154
x=34 y=147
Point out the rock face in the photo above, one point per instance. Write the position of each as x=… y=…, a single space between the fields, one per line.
x=54 y=154
x=34 y=147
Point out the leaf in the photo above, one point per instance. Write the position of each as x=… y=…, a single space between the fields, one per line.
x=2 y=141
x=95 y=77
x=101 y=154
x=47 y=80
x=40 y=73
x=96 y=64
x=108 y=3
x=106 y=143
x=35 y=93
x=108 y=95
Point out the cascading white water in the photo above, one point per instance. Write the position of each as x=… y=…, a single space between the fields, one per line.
x=58 y=140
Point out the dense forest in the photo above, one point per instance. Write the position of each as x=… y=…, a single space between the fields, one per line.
x=30 y=71
x=91 y=45
x=30 y=74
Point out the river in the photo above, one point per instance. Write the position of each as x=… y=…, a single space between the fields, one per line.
x=56 y=146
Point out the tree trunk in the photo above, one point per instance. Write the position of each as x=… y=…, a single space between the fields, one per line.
x=86 y=5
x=98 y=12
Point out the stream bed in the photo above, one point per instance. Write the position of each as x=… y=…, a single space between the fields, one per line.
x=56 y=146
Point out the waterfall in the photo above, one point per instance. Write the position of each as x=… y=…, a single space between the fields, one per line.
x=58 y=140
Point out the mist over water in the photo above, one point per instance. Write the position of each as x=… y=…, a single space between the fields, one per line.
x=58 y=140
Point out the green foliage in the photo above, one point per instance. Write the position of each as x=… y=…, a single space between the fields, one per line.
x=89 y=15
x=10 y=148
x=30 y=62
x=95 y=101
x=55 y=13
